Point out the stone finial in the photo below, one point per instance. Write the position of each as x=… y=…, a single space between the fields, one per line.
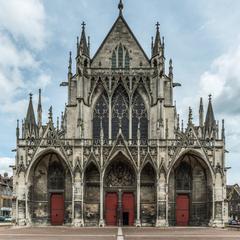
x=50 y=114
x=178 y=122
x=120 y=7
x=170 y=74
x=70 y=63
x=190 y=117
x=17 y=130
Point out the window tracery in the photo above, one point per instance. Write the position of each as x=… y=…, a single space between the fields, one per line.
x=183 y=177
x=120 y=57
x=120 y=112
x=56 y=176
x=139 y=117
x=101 y=116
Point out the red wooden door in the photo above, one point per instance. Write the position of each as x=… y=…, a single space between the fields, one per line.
x=128 y=207
x=111 y=204
x=57 y=209
x=182 y=210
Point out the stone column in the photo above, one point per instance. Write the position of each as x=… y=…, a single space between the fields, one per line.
x=162 y=201
x=101 y=221
x=138 y=221
x=110 y=120
x=120 y=223
x=77 y=200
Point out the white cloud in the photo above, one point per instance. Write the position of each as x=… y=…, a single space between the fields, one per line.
x=24 y=20
x=223 y=81
x=5 y=162
x=20 y=70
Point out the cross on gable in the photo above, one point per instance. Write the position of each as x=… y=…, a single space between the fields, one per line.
x=83 y=25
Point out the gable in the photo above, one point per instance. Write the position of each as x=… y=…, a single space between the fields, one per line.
x=120 y=33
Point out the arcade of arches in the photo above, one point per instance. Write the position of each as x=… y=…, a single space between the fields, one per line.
x=189 y=197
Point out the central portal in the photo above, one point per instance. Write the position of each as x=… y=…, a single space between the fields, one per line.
x=120 y=190
x=119 y=208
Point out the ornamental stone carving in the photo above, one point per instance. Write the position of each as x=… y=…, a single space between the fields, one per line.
x=120 y=174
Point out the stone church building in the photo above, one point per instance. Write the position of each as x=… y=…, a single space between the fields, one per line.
x=120 y=153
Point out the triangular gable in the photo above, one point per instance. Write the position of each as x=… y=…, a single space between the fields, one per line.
x=188 y=140
x=120 y=146
x=120 y=32
x=50 y=138
x=148 y=159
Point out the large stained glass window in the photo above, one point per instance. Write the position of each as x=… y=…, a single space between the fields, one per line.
x=120 y=112
x=120 y=107
x=139 y=117
x=101 y=116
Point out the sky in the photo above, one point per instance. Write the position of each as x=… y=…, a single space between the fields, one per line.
x=202 y=37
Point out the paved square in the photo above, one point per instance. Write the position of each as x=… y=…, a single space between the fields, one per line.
x=110 y=233
x=180 y=234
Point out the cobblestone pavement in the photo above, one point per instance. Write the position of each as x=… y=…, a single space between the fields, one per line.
x=57 y=233
x=180 y=234
x=62 y=233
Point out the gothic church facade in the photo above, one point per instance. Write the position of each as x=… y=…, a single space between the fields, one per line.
x=120 y=154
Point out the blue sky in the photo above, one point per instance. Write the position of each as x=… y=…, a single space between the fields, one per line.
x=202 y=37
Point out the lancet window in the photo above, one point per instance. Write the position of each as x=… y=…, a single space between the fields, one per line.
x=101 y=116
x=120 y=57
x=121 y=110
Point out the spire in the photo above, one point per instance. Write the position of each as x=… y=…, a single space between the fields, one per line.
x=58 y=123
x=152 y=45
x=190 y=117
x=223 y=131
x=89 y=45
x=178 y=123
x=157 y=43
x=70 y=63
x=182 y=127
x=62 y=121
x=201 y=112
x=83 y=42
x=39 y=110
x=77 y=45
x=17 y=130
x=120 y=7
x=50 y=114
x=210 y=120
x=30 y=122
x=23 y=128
x=170 y=74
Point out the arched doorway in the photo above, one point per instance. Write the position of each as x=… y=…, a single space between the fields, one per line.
x=50 y=192
x=91 y=195
x=148 y=195
x=190 y=192
x=120 y=192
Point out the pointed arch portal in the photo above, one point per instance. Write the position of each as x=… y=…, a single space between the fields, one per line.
x=190 y=192
x=50 y=191
x=120 y=192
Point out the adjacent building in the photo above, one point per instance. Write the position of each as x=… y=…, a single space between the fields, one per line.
x=120 y=153
x=233 y=197
x=6 y=189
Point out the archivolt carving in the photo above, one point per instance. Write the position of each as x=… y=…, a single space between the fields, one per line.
x=119 y=174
